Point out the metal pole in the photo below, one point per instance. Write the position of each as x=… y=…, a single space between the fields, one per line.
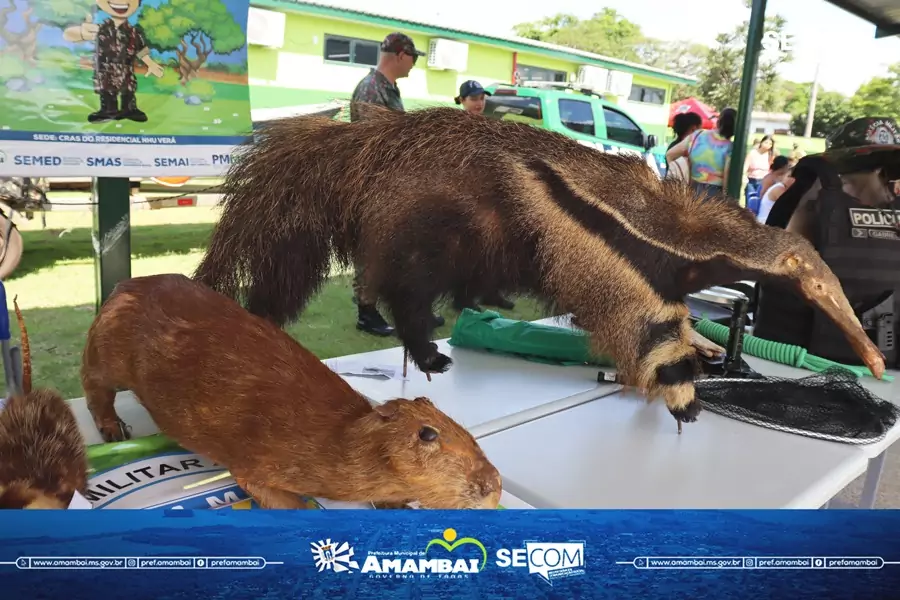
x=748 y=92
x=811 y=111
x=111 y=234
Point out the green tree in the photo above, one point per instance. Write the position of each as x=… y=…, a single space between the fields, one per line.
x=547 y=28
x=35 y=15
x=832 y=110
x=770 y=91
x=687 y=58
x=607 y=33
x=720 y=81
x=193 y=29
x=880 y=96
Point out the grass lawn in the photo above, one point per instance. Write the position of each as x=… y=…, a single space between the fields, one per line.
x=56 y=290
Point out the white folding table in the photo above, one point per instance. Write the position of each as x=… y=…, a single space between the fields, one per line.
x=484 y=392
x=874 y=453
x=561 y=439
x=620 y=452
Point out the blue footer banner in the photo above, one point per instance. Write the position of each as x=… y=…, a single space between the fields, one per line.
x=224 y=554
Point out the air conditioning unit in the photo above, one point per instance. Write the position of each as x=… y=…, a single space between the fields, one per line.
x=448 y=55
x=595 y=78
x=265 y=28
x=619 y=83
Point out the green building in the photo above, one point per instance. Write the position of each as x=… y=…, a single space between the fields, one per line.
x=310 y=53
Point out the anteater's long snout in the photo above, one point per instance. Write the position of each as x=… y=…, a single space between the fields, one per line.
x=827 y=295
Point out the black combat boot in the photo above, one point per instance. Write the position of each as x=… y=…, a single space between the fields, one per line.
x=130 y=109
x=437 y=320
x=463 y=300
x=371 y=321
x=109 y=109
x=499 y=301
x=460 y=304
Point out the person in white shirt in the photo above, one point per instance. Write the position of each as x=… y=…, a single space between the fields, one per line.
x=775 y=183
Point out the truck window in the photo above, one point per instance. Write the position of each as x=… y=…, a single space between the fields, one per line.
x=523 y=109
x=577 y=115
x=620 y=128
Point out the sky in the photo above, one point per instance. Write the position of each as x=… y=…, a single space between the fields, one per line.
x=844 y=45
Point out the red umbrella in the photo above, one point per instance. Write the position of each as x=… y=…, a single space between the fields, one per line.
x=706 y=112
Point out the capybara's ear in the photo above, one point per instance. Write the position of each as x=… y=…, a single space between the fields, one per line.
x=423 y=399
x=387 y=411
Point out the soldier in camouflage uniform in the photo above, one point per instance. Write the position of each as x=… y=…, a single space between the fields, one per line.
x=397 y=58
x=117 y=45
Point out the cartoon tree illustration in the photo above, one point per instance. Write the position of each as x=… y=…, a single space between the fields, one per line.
x=204 y=26
x=37 y=14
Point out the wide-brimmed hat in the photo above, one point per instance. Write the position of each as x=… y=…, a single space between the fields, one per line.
x=862 y=142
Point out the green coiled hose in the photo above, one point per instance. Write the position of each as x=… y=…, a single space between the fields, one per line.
x=786 y=354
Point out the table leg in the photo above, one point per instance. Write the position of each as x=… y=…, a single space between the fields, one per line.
x=873 y=477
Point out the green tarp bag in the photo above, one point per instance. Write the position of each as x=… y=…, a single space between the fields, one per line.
x=488 y=330
x=102 y=457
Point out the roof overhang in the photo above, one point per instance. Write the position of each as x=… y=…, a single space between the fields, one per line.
x=883 y=14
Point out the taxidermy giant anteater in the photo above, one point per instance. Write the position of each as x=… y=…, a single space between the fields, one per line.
x=437 y=200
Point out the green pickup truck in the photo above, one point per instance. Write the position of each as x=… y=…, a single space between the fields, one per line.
x=581 y=115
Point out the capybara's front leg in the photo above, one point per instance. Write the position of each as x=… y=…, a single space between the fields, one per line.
x=101 y=403
x=269 y=497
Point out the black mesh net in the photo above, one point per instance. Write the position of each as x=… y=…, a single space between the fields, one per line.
x=831 y=405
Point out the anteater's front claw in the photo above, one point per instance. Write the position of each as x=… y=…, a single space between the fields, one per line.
x=688 y=414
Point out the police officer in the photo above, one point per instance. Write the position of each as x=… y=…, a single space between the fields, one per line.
x=844 y=202
x=397 y=58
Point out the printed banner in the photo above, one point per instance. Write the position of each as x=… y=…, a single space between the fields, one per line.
x=449 y=554
x=122 y=88
x=180 y=479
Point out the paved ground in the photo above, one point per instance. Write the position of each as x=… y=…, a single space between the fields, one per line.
x=888 y=491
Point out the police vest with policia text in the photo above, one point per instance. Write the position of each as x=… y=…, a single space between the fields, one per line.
x=861 y=245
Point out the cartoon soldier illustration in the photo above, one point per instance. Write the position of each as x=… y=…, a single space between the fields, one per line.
x=118 y=44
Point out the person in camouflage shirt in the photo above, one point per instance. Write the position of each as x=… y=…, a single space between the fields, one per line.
x=397 y=58
x=23 y=193
x=118 y=44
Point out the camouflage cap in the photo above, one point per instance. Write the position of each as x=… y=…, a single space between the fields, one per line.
x=398 y=42
x=856 y=140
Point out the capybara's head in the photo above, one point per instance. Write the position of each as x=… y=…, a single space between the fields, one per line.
x=434 y=457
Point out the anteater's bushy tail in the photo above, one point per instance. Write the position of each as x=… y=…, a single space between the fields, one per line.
x=272 y=246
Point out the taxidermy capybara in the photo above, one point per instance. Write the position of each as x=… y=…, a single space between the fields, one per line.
x=43 y=460
x=237 y=389
x=433 y=201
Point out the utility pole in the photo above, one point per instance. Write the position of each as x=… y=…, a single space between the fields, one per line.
x=811 y=111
